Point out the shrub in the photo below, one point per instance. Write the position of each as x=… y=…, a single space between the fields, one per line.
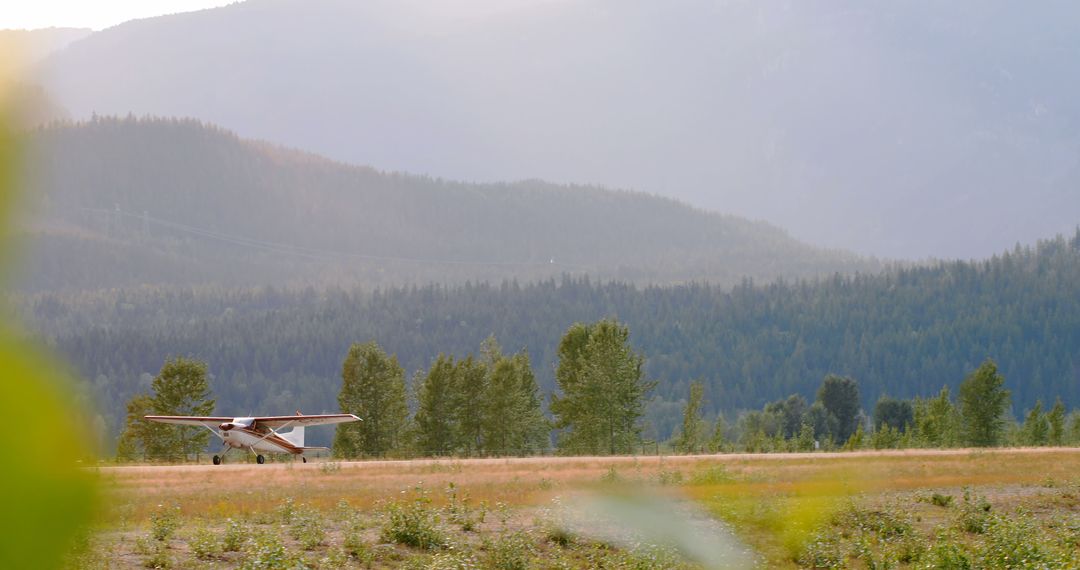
x=236 y=535
x=355 y=546
x=509 y=552
x=204 y=545
x=158 y=558
x=459 y=512
x=335 y=558
x=941 y=500
x=1013 y=543
x=307 y=528
x=265 y=551
x=947 y=555
x=881 y=523
x=286 y=510
x=974 y=513
x=164 y=521
x=712 y=476
x=824 y=551
x=412 y=523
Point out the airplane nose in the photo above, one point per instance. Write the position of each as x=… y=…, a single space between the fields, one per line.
x=226 y=426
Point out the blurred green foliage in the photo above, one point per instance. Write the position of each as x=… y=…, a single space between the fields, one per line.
x=48 y=492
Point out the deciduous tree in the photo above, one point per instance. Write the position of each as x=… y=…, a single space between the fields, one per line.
x=373 y=388
x=840 y=396
x=982 y=401
x=602 y=389
x=436 y=418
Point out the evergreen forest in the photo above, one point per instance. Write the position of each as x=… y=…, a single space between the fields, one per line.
x=907 y=332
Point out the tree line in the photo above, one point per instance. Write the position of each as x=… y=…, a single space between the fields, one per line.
x=489 y=404
x=485 y=404
x=977 y=417
x=904 y=333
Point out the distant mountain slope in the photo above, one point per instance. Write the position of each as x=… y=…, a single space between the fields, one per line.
x=903 y=333
x=903 y=129
x=29 y=47
x=127 y=202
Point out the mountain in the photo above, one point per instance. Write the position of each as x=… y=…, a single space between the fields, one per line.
x=905 y=130
x=906 y=332
x=29 y=104
x=125 y=202
x=29 y=47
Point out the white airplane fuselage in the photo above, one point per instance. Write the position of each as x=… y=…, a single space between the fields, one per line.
x=246 y=439
x=240 y=434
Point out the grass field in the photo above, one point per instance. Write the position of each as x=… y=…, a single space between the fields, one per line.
x=920 y=509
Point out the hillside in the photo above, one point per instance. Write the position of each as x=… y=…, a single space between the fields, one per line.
x=125 y=202
x=904 y=333
x=847 y=124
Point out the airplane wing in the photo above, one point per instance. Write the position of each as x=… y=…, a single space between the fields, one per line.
x=189 y=420
x=313 y=420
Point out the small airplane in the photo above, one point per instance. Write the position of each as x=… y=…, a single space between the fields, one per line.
x=259 y=434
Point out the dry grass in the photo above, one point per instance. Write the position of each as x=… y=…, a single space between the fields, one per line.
x=773 y=501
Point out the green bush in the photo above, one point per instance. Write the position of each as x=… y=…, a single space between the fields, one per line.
x=1013 y=543
x=512 y=551
x=164 y=521
x=265 y=551
x=824 y=551
x=204 y=545
x=286 y=510
x=941 y=500
x=974 y=513
x=307 y=528
x=236 y=535
x=947 y=555
x=412 y=523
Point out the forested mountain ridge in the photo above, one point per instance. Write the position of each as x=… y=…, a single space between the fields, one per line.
x=846 y=124
x=904 y=333
x=126 y=202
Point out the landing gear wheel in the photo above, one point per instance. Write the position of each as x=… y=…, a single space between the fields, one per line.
x=217 y=460
x=304 y=459
x=260 y=459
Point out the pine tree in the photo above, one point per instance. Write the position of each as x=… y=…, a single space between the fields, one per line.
x=716 y=441
x=534 y=428
x=1036 y=429
x=982 y=401
x=693 y=426
x=806 y=437
x=435 y=419
x=1074 y=428
x=373 y=388
x=936 y=420
x=1056 y=421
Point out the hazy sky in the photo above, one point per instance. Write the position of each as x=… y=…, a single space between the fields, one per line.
x=96 y=15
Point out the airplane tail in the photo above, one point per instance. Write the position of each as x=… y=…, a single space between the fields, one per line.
x=295 y=437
